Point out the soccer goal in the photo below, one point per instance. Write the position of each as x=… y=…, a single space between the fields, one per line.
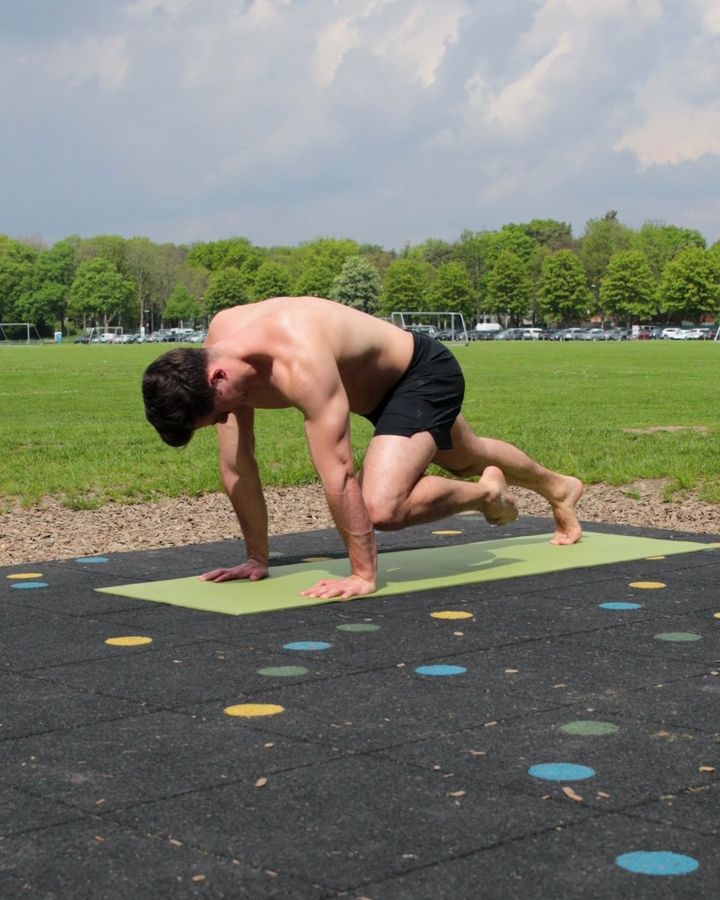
x=445 y=326
x=19 y=333
x=102 y=335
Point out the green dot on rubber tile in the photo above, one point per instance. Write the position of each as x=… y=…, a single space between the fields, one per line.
x=678 y=636
x=283 y=671
x=358 y=626
x=589 y=728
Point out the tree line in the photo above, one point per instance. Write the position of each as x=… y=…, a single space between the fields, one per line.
x=535 y=272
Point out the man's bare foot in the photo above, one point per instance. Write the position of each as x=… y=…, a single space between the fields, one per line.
x=567 y=526
x=498 y=507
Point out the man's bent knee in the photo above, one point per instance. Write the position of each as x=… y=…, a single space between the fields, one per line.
x=385 y=517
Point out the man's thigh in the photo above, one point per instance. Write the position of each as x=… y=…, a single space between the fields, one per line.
x=394 y=463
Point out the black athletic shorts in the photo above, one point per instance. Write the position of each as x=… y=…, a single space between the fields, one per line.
x=428 y=397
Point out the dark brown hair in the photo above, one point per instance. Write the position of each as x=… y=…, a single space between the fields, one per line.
x=176 y=393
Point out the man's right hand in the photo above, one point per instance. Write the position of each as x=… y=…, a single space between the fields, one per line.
x=252 y=570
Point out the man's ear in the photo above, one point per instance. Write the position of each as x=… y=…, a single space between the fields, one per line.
x=216 y=375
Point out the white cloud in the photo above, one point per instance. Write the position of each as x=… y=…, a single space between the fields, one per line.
x=143 y=9
x=674 y=132
x=709 y=12
x=413 y=37
x=527 y=98
x=103 y=59
x=419 y=43
x=332 y=44
x=387 y=120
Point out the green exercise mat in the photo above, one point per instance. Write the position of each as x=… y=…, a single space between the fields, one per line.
x=406 y=571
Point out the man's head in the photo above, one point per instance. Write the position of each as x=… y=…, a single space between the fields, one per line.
x=178 y=393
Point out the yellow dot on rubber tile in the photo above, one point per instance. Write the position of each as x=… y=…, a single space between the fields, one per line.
x=447 y=531
x=315 y=559
x=129 y=640
x=716 y=615
x=451 y=614
x=18 y=576
x=655 y=557
x=648 y=585
x=250 y=710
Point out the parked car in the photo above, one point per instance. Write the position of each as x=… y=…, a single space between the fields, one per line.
x=616 y=334
x=709 y=332
x=671 y=334
x=181 y=334
x=692 y=334
x=592 y=334
x=569 y=334
x=198 y=337
x=430 y=330
x=511 y=334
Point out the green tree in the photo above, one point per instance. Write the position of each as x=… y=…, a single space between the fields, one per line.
x=227 y=288
x=168 y=267
x=473 y=249
x=357 y=285
x=140 y=258
x=550 y=233
x=511 y=239
x=661 y=243
x=452 y=291
x=271 y=280
x=406 y=285
x=380 y=258
x=16 y=264
x=601 y=240
x=183 y=307
x=43 y=294
x=44 y=305
x=110 y=247
x=690 y=288
x=432 y=250
x=564 y=294
x=100 y=293
x=237 y=253
x=322 y=262
x=509 y=288
x=628 y=289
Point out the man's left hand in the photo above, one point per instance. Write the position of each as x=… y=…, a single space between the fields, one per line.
x=343 y=589
x=253 y=570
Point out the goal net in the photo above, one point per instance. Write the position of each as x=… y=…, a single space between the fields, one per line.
x=101 y=335
x=445 y=326
x=18 y=333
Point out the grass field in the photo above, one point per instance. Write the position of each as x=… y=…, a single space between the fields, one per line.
x=73 y=424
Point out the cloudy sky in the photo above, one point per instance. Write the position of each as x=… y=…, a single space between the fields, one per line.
x=388 y=121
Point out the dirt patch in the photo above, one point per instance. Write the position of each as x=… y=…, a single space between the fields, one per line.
x=654 y=429
x=52 y=531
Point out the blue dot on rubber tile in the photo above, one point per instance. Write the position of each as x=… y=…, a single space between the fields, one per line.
x=92 y=560
x=441 y=670
x=657 y=862
x=561 y=772
x=28 y=585
x=307 y=645
x=621 y=605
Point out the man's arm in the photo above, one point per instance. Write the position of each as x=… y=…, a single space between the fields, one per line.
x=241 y=480
x=327 y=425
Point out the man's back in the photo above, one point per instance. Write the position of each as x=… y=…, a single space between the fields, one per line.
x=369 y=354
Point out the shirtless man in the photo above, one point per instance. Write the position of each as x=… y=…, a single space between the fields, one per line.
x=329 y=360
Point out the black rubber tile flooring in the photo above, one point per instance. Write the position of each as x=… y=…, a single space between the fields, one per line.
x=551 y=736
